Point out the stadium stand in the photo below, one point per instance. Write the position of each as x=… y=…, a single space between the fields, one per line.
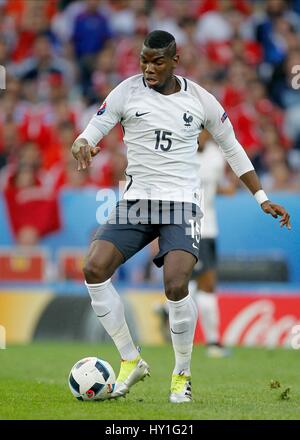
x=59 y=68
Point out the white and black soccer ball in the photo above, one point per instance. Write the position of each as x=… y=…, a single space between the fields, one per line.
x=92 y=379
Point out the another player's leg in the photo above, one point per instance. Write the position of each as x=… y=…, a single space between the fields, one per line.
x=208 y=307
x=102 y=261
x=178 y=266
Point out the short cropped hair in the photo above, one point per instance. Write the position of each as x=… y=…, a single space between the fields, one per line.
x=161 y=40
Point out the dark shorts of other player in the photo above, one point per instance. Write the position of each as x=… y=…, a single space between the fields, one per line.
x=135 y=223
x=207 y=259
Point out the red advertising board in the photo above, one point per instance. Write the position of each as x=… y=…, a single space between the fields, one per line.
x=22 y=264
x=256 y=320
x=71 y=263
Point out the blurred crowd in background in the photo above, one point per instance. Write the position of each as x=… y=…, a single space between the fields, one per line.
x=62 y=58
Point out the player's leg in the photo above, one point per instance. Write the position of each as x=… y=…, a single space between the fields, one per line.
x=178 y=251
x=205 y=275
x=178 y=266
x=207 y=303
x=102 y=261
x=114 y=243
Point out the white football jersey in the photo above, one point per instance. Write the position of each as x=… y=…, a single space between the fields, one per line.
x=160 y=132
x=211 y=165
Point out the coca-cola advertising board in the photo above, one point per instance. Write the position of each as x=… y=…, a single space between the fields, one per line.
x=253 y=320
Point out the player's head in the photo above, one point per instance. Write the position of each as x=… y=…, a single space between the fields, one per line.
x=158 y=58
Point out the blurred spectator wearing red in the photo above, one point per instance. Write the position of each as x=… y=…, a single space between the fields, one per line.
x=32 y=207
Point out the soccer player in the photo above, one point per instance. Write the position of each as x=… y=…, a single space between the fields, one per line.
x=162 y=115
x=212 y=168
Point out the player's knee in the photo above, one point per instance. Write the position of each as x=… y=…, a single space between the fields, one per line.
x=176 y=290
x=206 y=287
x=209 y=288
x=207 y=284
x=96 y=271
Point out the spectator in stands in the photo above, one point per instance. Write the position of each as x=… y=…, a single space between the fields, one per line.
x=272 y=28
x=91 y=30
x=282 y=89
x=105 y=77
x=127 y=56
x=285 y=93
x=281 y=177
x=42 y=64
x=90 y=35
x=188 y=26
x=234 y=96
x=4 y=52
x=213 y=25
x=12 y=107
x=122 y=17
x=9 y=143
x=32 y=207
x=45 y=43
x=281 y=169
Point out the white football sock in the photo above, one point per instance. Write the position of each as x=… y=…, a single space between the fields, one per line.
x=209 y=315
x=182 y=317
x=109 y=309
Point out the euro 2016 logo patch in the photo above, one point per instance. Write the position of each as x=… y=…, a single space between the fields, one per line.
x=101 y=109
x=224 y=117
x=187 y=119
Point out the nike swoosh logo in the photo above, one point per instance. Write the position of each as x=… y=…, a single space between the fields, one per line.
x=177 y=333
x=102 y=316
x=194 y=246
x=141 y=114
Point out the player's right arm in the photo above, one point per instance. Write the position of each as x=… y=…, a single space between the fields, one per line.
x=83 y=153
x=109 y=114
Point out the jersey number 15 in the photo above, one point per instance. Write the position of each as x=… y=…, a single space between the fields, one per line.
x=163 y=136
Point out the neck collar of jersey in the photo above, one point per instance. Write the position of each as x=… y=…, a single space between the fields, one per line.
x=182 y=82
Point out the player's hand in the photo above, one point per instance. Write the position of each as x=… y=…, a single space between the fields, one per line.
x=275 y=211
x=83 y=153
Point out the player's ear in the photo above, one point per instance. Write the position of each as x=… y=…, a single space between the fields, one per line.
x=176 y=60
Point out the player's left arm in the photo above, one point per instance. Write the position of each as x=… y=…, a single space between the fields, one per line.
x=225 y=186
x=251 y=180
x=219 y=125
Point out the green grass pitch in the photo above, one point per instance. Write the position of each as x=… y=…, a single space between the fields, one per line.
x=33 y=385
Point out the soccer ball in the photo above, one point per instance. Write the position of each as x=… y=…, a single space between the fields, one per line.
x=92 y=379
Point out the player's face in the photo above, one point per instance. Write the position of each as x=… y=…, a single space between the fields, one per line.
x=157 y=67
